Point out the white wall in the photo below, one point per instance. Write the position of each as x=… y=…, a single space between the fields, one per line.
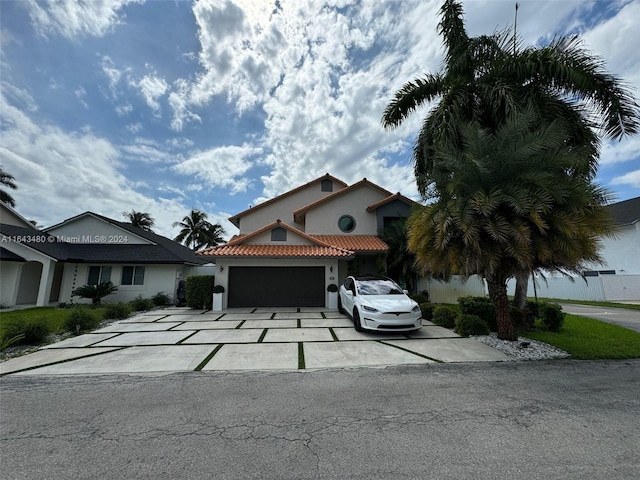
x=449 y=292
x=622 y=254
x=90 y=229
x=9 y=277
x=323 y=219
x=265 y=238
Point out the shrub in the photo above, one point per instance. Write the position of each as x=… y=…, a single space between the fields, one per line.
x=81 y=319
x=480 y=306
x=519 y=318
x=161 y=299
x=427 y=310
x=95 y=292
x=117 y=311
x=552 y=316
x=419 y=298
x=470 y=325
x=200 y=291
x=445 y=316
x=532 y=310
x=31 y=331
x=140 y=304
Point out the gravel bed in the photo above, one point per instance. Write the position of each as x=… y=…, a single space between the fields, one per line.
x=533 y=351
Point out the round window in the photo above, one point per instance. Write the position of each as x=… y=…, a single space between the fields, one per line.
x=346 y=223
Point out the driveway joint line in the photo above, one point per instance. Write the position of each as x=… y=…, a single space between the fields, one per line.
x=240 y=324
x=262 y=335
x=186 y=338
x=63 y=361
x=208 y=358
x=301 y=364
x=410 y=351
x=333 y=334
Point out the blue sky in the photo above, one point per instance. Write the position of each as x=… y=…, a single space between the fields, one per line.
x=165 y=106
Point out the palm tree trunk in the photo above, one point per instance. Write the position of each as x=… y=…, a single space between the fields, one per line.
x=498 y=295
x=520 y=295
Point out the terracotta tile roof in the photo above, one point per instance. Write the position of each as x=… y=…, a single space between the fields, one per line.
x=355 y=243
x=301 y=211
x=234 y=219
x=277 y=251
x=396 y=196
x=236 y=240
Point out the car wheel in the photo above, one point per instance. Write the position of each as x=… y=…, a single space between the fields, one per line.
x=356 y=321
x=340 y=309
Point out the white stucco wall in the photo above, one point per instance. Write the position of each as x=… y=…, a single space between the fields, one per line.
x=10 y=218
x=292 y=239
x=9 y=277
x=90 y=229
x=157 y=278
x=622 y=254
x=323 y=219
x=223 y=265
x=283 y=208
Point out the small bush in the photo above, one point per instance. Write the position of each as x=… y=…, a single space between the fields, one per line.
x=444 y=316
x=82 y=319
x=427 y=310
x=552 y=316
x=470 y=325
x=32 y=331
x=532 y=310
x=161 y=299
x=480 y=306
x=117 y=311
x=419 y=298
x=140 y=304
x=200 y=291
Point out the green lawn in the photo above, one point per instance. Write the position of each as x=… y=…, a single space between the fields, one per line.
x=626 y=306
x=589 y=339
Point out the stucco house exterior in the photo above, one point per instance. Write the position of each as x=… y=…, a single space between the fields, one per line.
x=40 y=267
x=289 y=249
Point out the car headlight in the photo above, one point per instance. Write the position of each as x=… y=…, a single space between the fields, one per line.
x=369 y=309
x=416 y=308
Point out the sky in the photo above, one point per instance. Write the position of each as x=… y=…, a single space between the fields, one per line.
x=163 y=106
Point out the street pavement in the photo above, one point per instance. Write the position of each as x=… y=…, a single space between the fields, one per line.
x=625 y=318
x=181 y=339
x=487 y=420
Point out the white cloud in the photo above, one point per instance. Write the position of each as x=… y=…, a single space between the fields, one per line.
x=220 y=167
x=77 y=18
x=146 y=152
x=625 y=150
x=122 y=110
x=151 y=88
x=630 y=178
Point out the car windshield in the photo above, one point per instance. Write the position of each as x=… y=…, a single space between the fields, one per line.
x=378 y=287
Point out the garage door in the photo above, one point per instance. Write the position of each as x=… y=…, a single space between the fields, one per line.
x=276 y=287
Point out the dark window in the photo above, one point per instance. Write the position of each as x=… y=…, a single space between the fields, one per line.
x=132 y=275
x=346 y=223
x=607 y=272
x=99 y=274
x=326 y=186
x=590 y=273
x=278 y=234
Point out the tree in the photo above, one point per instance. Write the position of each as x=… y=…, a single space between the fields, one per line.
x=95 y=292
x=7 y=180
x=400 y=261
x=486 y=78
x=514 y=202
x=141 y=220
x=197 y=233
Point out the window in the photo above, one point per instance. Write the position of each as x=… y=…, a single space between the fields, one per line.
x=132 y=275
x=99 y=274
x=278 y=234
x=346 y=223
x=326 y=186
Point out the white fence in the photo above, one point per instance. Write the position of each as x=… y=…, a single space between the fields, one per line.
x=601 y=288
x=448 y=292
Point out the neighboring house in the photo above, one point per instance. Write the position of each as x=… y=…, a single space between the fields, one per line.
x=618 y=278
x=291 y=248
x=38 y=267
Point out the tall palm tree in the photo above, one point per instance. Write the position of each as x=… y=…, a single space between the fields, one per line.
x=141 y=220
x=513 y=202
x=7 y=180
x=486 y=78
x=197 y=233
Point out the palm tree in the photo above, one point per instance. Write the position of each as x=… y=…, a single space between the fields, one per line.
x=514 y=202
x=141 y=220
x=95 y=292
x=400 y=261
x=7 y=180
x=486 y=78
x=197 y=233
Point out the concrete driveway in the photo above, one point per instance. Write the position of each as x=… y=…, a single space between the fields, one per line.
x=180 y=339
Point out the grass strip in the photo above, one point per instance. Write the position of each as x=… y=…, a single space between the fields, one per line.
x=240 y=324
x=187 y=337
x=410 y=351
x=589 y=339
x=333 y=334
x=299 y=323
x=264 y=332
x=323 y=315
x=207 y=359
x=273 y=315
x=301 y=365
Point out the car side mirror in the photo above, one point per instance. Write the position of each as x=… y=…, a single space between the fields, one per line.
x=405 y=291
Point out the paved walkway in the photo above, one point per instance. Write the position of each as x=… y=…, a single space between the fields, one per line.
x=180 y=339
x=625 y=318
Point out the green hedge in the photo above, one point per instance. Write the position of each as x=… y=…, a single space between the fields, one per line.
x=480 y=306
x=444 y=316
x=427 y=310
x=470 y=325
x=200 y=291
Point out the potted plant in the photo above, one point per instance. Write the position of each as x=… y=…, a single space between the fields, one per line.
x=332 y=288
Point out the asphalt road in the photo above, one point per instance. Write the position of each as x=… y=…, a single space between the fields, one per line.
x=625 y=318
x=542 y=420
